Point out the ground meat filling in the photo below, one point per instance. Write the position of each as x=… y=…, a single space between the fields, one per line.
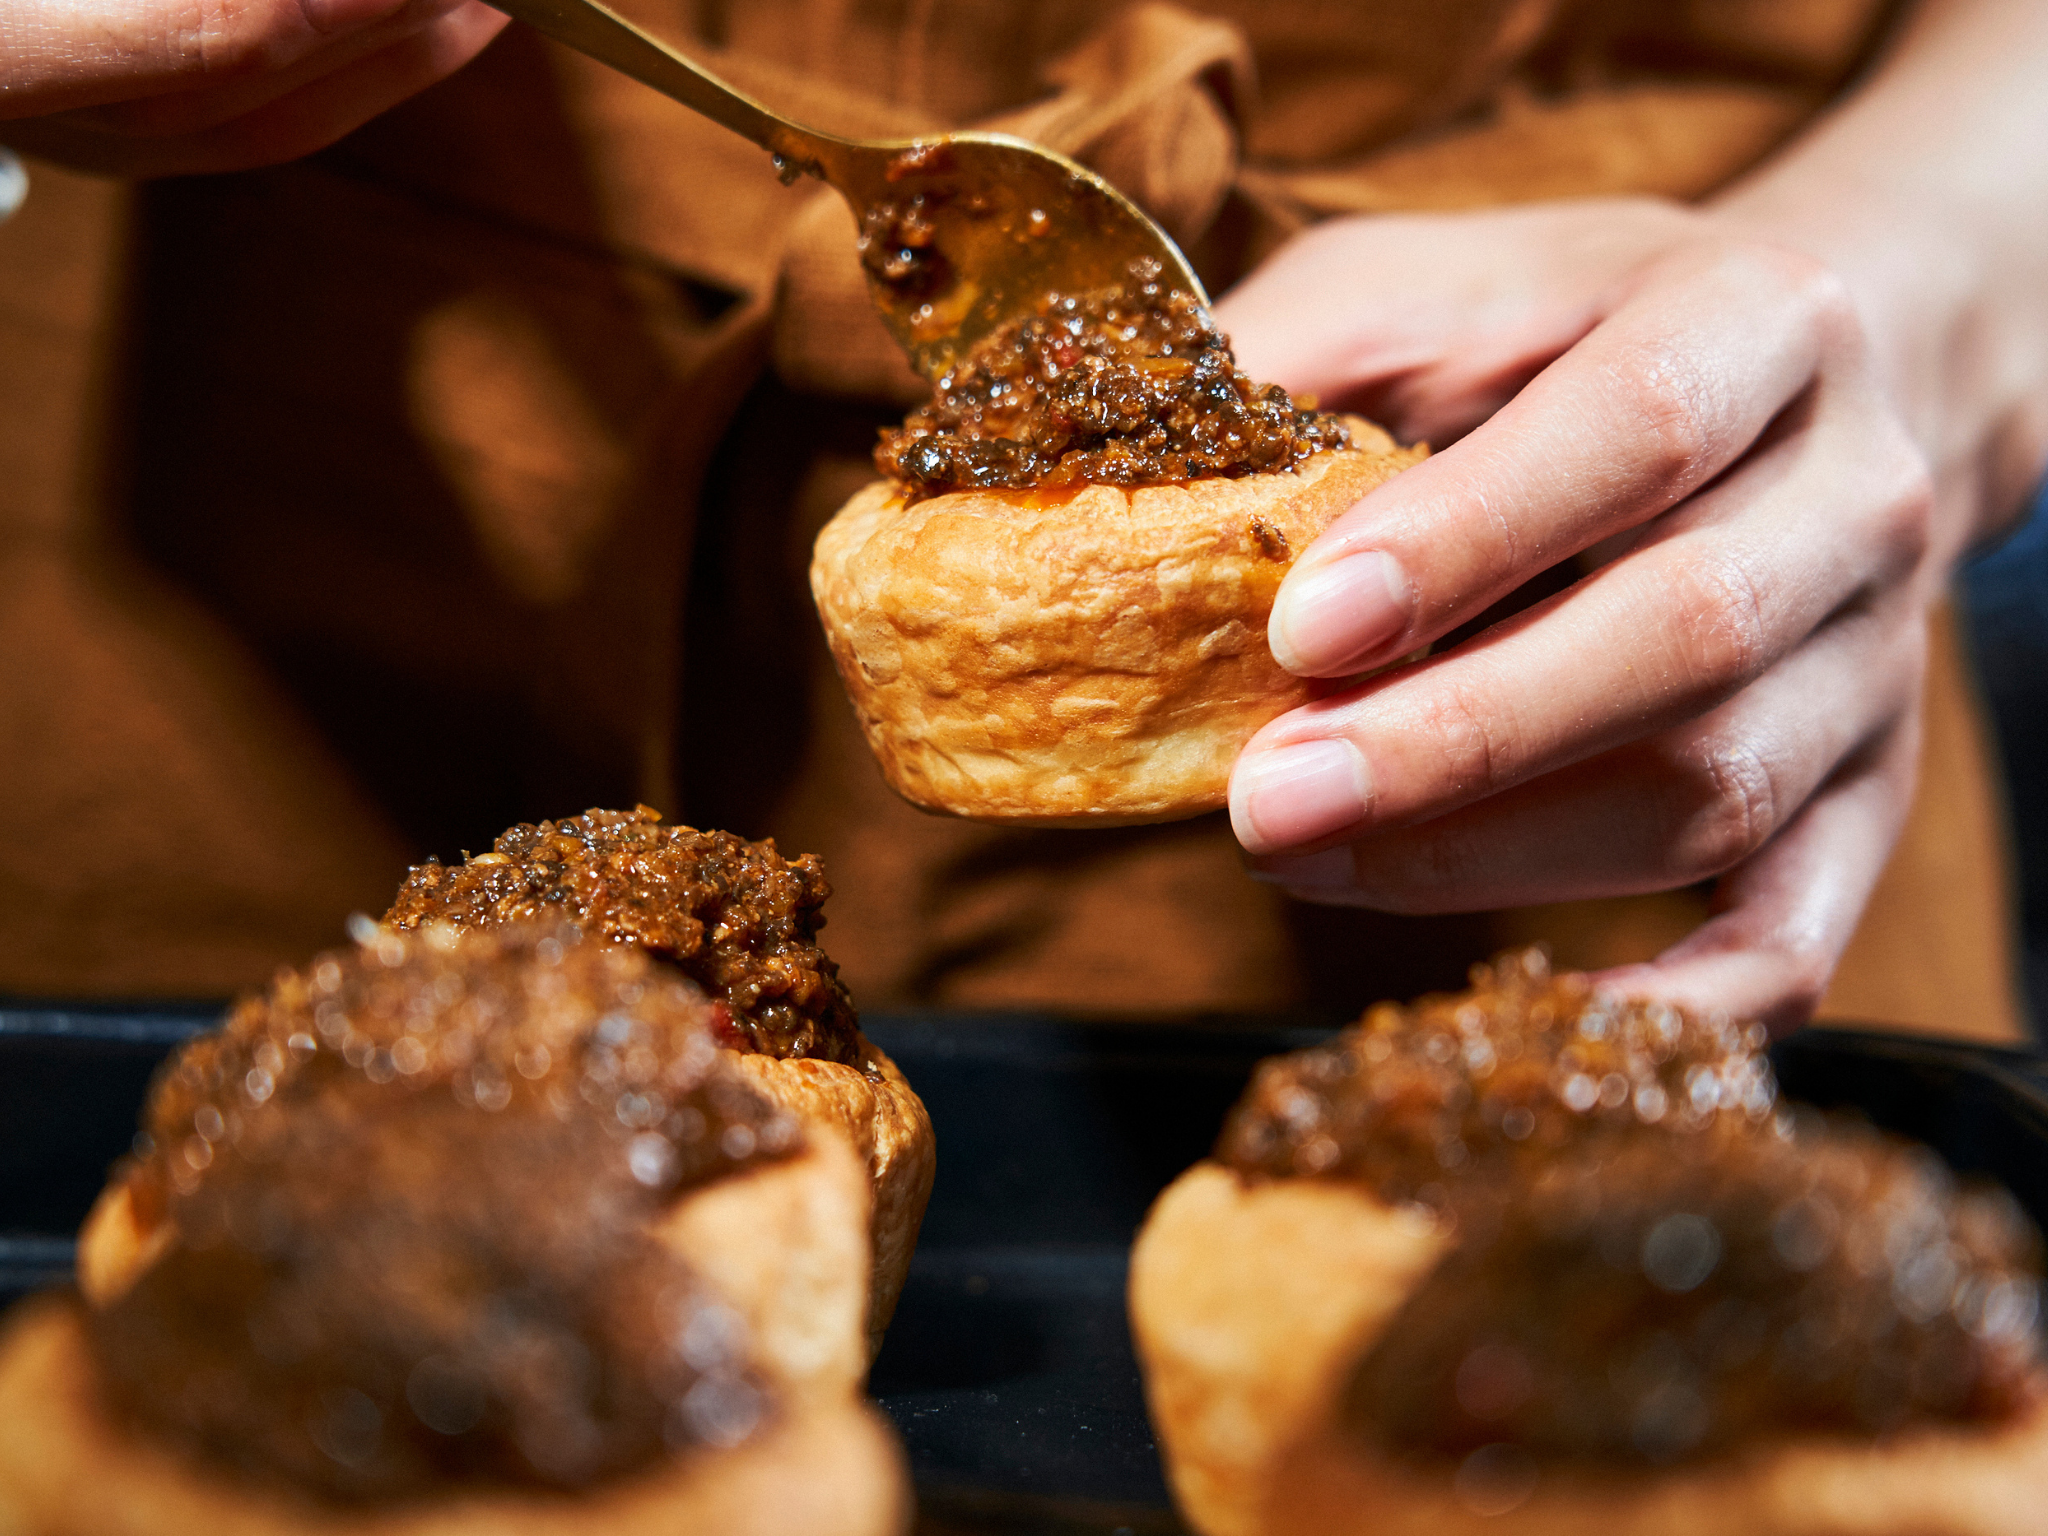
x=1126 y=386
x=1653 y=1260
x=738 y=918
x=412 y=1190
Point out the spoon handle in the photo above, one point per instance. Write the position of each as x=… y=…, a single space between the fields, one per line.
x=603 y=34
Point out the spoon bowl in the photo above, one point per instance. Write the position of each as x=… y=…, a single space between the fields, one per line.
x=959 y=233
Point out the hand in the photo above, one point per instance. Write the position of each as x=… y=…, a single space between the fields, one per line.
x=173 y=87
x=1731 y=686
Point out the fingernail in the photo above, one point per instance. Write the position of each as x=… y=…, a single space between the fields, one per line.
x=1286 y=796
x=1331 y=868
x=1328 y=619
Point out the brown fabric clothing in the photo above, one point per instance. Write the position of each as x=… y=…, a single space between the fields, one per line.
x=467 y=473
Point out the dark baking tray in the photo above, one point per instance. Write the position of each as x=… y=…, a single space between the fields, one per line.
x=1009 y=1367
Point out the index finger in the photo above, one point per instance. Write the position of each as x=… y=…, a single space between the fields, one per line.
x=1676 y=382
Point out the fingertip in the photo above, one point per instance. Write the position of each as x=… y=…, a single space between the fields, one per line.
x=1332 y=617
x=464 y=33
x=1714 y=971
x=1287 y=796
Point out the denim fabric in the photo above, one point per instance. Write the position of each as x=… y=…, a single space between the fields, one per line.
x=2005 y=594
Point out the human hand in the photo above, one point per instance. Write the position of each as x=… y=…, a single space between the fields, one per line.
x=1732 y=687
x=174 y=87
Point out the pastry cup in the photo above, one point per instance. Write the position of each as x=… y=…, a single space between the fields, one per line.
x=1093 y=656
x=1252 y=1302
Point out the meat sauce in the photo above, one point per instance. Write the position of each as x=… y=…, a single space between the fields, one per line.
x=1132 y=385
x=1652 y=1259
x=735 y=916
x=412 y=1189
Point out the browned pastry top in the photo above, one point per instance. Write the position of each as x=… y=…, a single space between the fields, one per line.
x=412 y=1190
x=1126 y=386
x=739 y=919
x=1653 y=1260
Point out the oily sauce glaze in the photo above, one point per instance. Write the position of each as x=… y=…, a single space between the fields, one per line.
x=411 y=1190
x=898 y=239
x=738 y=918
x=1131 y=385
x=1652 y=1260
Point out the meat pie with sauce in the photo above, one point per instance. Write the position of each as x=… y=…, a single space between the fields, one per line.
x=1053 y=607
x=458 y=1233
x=742 y=922
x=1531 y=1259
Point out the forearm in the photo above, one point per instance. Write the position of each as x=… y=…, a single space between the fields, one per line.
x=1928 y=192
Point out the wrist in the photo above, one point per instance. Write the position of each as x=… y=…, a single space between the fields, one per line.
x=1914 y=282
x=1920 y=192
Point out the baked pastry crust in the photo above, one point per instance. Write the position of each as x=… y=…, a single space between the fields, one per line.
x=886 y=1124
x=68 y=1468
x=1096 y=656
x=1252 y=1301
x=781 y=1241
x=881 y=1122
x=741 y=921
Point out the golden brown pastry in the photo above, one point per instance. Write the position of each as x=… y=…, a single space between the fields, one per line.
x=458 y=1232
x=741 y=921
x=1532 y=1260
x=1053 y=609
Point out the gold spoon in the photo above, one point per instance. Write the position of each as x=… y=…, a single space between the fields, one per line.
x=958 y=233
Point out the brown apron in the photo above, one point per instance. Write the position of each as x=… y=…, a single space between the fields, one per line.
x=467 y=473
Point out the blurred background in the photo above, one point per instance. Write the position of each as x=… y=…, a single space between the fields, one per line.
x=2005 y=596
